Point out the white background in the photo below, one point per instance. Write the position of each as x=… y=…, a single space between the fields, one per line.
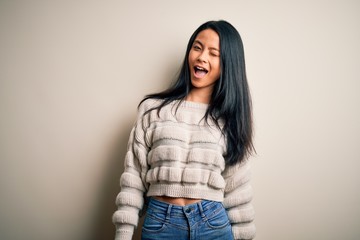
x=73 y=72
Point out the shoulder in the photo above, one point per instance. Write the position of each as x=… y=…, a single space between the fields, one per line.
x=148 y=104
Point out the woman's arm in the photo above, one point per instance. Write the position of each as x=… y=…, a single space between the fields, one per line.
x=237 y=200
x=130 y=200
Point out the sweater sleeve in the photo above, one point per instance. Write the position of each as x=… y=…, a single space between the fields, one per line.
x=237 y=200
x=130 y=200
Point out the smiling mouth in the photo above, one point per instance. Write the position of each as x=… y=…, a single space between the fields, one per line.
x=200 y=72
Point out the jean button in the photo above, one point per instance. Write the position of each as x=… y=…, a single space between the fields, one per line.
x=188 y=210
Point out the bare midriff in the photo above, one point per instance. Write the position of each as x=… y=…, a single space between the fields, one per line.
x=177 y=201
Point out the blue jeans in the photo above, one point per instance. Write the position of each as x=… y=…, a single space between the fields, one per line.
x=204 y=220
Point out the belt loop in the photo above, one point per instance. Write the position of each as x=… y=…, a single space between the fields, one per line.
x=201 y=209
x=168 y=212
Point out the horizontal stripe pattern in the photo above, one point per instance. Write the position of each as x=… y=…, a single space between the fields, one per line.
x=177 y=153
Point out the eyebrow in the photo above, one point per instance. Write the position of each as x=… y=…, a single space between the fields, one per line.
x=211 y=48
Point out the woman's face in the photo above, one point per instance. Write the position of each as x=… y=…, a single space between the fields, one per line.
x=204 y=60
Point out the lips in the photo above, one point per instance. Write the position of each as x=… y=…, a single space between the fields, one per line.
x=200 y=72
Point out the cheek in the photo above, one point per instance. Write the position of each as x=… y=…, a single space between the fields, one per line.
x=191 y=57
x=217 y=67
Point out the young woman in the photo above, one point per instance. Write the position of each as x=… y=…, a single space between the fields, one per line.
x=187 y=153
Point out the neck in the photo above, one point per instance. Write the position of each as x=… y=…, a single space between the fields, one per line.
x=196 y=95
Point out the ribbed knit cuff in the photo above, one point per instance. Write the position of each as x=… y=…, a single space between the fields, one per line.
x=245 y=231
x=123 y=236
x=124 y=232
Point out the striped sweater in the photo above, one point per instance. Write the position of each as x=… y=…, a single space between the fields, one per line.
x=179 y=154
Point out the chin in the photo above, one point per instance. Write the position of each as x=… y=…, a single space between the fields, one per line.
x=196 y=84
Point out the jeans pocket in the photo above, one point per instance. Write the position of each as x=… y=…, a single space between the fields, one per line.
x=153 y=225
x=218 y=220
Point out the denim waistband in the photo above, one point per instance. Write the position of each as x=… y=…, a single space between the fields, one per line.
x=198 y=208
x=201 y=220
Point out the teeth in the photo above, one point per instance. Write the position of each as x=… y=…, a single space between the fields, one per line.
x=200 y=68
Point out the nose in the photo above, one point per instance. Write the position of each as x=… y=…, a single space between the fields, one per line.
x=202 y=57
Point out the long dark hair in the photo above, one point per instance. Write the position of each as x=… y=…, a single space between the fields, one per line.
x=230 y=100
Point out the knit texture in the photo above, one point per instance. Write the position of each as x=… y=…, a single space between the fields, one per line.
x=178 y=154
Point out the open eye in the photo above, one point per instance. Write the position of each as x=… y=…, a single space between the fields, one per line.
x=196 y=47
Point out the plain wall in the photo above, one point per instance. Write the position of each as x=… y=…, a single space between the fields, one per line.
x=73 y=72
